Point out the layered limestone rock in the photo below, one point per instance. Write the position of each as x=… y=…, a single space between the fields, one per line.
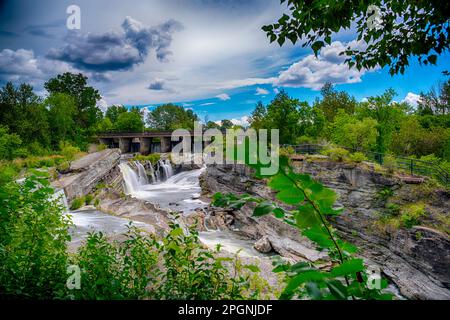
x=417 y=259
x=87 y=172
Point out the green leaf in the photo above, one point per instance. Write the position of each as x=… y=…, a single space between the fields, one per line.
x=319 y=236
x=263 y=208
x=252 y=268
x=349 y=267
x=306 y=217
x=337 y=289
x=290 y=196
x=296 y=281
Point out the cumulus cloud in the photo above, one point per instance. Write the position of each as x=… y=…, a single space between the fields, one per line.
x=102 y=105
x=113 y=51
x=22 y=66
x=243 y=121
x=313 y=72
x=412 y=99
x=223 y=97
x=261 y=91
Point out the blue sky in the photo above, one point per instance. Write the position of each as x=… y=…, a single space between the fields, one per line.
x=207 y=55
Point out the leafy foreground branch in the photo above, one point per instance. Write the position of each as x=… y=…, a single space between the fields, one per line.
x=348 y=279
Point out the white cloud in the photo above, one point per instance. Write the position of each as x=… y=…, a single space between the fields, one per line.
x=223 y=97
x=412 y=99
x=313 y=72
x=261 y=91
x=243 y=121
x=207 y=104
x=276 y=91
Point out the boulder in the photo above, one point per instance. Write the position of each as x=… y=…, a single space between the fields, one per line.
x=263 y=245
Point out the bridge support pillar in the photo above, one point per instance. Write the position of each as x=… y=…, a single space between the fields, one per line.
x=145 y=144
x=166 y=144
x=125 y=145
x=106 y=141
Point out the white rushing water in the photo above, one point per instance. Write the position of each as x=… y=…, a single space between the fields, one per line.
x=179 y=192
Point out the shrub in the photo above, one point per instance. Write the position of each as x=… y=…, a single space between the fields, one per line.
x=88 y=198
x=63 y=167
x=411 y=215
x=153 y=158
x=77 y=203
x=357 y=157
x=33 y=241
x=287 y=151
x=336 y=153
x=101 y=147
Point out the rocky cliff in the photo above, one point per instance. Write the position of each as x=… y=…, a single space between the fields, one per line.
x=416 y=259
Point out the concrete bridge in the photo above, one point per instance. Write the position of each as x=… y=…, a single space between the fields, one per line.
x=142 y=142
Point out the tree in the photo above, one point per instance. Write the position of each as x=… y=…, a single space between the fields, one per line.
x=350 y=132
x=283 y=114
x=113 y=112
x=388 y=115
x=333 y=100
x=171 y=117
x=226 y=124
x=22 y=111
x=86 y=97
x=212 y=125
x=9 y=144
x=406 y=29
x=258 y=117
x=435 y=101
x=129 y=122
x=62 y=110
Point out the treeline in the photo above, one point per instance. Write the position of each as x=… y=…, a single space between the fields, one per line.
x=378 y=124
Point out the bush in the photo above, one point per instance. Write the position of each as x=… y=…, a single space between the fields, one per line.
x=357 y=157
x=411 y=215
x=88 y=199
x=336 y=154
x=33 y=241
x=153 y=158
x=102 y=147
x=286 y=151
x=77 y=203
x=63 y=167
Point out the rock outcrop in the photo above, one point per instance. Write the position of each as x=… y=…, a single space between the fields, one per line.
x=87 y=172
x=417 y=260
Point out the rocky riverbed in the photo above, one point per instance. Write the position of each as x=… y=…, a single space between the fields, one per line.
x=416 y=260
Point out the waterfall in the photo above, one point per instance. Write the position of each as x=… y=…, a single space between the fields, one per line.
x=166 y=167
x=130 y=177
x=143 y=179
x=152 y=171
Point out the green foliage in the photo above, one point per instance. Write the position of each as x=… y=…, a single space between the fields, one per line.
x=116 y=270
x=77 y=203
x=153 y=158
x=411 y=214
x=313 y=202
x=33 y=237
x=62 y=111
x=350 y=132
x=390 y=163
x=9 y=144
x=129 y=122
x=422 y=33
x=357 y=157
x=336 y=153
x=334 y=101
x=68 y=151
x=192 y=272
x=170 y=117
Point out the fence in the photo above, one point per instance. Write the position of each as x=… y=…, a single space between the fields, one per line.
x=410 y=165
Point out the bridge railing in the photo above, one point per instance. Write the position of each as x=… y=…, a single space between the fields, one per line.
x=409 y=165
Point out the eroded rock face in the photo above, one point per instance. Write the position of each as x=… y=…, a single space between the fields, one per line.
x=88 y=171
x=417 y=260
x=263 y=245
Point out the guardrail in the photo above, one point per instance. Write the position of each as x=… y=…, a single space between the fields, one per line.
x=412 y=166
